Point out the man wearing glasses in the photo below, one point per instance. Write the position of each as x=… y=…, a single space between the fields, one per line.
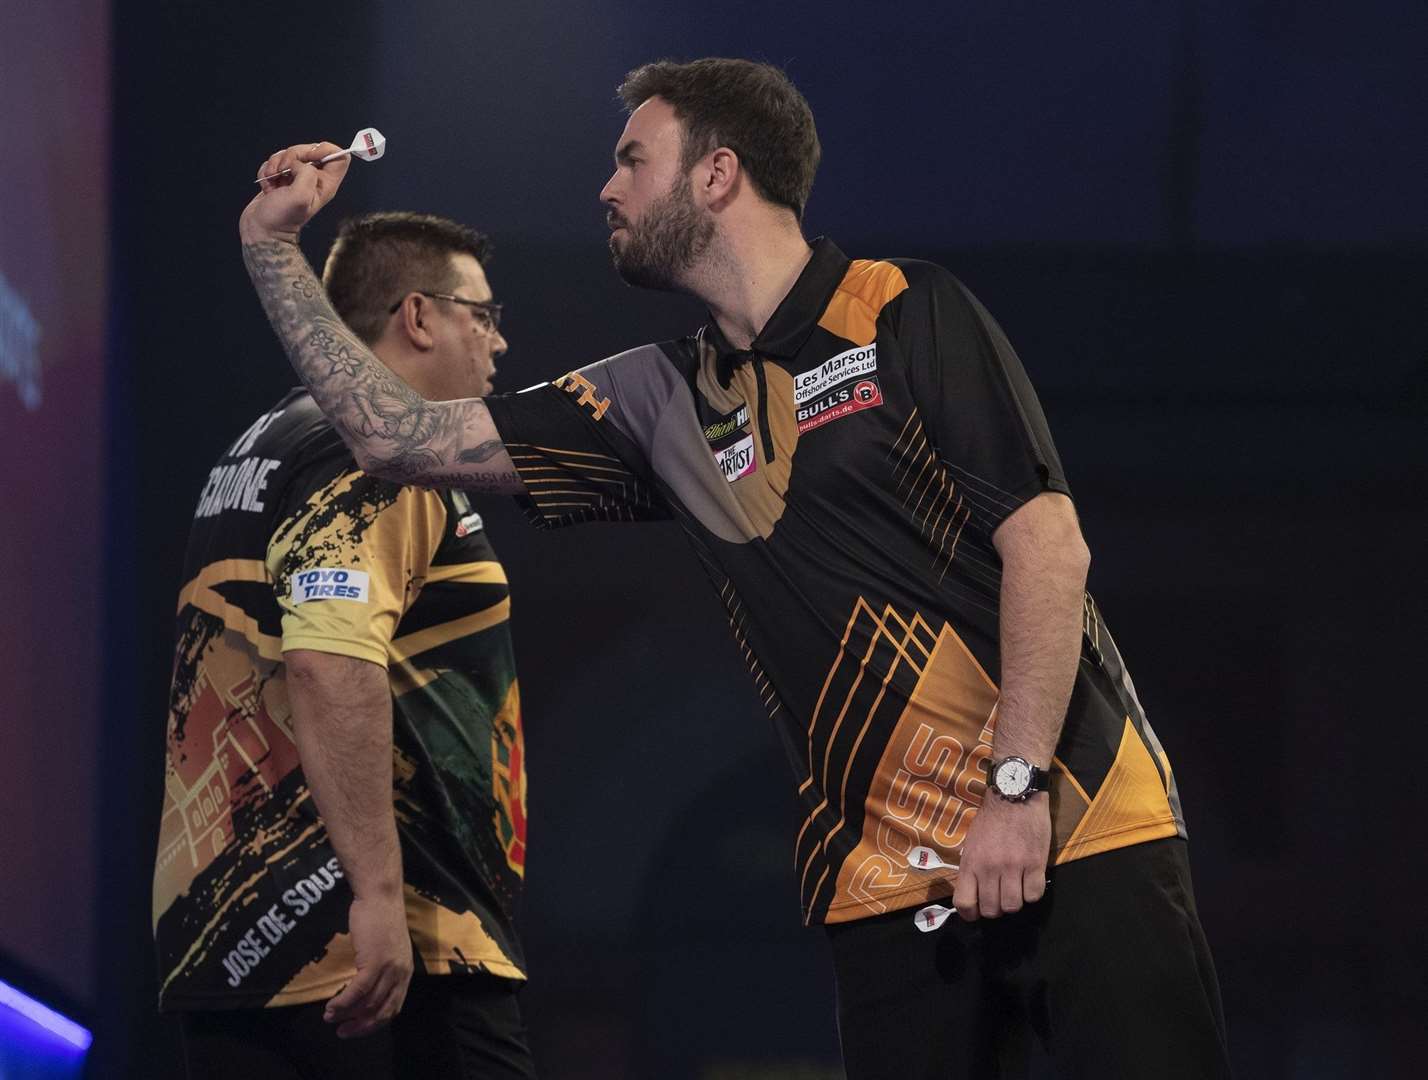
x=343 y=837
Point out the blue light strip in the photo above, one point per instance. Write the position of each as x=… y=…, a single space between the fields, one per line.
x=45 y=1017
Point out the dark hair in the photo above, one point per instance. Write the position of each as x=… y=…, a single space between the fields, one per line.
x=751 y=108
x=378 y=258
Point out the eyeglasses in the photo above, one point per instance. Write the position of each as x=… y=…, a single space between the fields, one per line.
x=488 y=311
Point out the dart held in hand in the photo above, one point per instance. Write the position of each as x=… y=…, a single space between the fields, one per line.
x=367 y=145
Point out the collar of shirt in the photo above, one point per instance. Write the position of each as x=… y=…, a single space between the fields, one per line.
x=794 y=318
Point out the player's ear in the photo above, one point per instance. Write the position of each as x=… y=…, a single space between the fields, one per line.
x=718 y=175
x=411 y=319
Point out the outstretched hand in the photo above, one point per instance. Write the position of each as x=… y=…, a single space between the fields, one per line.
x=287 y=202
x=384 y=968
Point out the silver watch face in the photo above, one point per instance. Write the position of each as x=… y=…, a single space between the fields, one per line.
x=1013 y=777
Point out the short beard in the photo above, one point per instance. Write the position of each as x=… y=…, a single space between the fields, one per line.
x=672 y=236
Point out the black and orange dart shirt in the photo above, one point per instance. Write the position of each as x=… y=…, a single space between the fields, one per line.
x=841 y=481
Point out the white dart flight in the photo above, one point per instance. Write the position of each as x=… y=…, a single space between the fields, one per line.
x=932 y=917
x=924 y=858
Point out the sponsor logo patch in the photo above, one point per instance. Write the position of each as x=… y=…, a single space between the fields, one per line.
x=844 y=401
x=737 y=459
x=819 y=382
x=726 y=426
x=329 y=584
x=576 y=383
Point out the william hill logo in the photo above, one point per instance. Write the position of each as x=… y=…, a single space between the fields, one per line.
x=727 y=426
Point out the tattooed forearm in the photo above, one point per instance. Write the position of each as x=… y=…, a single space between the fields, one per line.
x=495 y=483
x=392 y=430
x=487 y=450
x=381 y=417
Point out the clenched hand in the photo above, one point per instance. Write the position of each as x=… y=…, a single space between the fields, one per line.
x=288 y=202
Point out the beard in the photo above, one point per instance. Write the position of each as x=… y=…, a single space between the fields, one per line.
x=669 y=239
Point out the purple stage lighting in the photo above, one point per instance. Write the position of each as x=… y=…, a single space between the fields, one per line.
x=45 y=1017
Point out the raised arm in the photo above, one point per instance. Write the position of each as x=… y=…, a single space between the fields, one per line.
x=392 y=430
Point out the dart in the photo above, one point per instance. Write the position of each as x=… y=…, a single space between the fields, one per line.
x=924 y=858
x=932 y=917
x=368 y=144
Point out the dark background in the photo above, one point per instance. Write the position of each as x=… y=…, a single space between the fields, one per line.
x=1202 y=224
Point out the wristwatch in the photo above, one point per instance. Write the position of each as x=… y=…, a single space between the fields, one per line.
x=1015 y=778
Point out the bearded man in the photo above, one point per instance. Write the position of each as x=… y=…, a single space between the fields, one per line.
x=859 y=460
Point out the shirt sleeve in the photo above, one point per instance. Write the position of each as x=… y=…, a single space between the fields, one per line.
x=350 y=562
x=977 y=405
x=575 y=459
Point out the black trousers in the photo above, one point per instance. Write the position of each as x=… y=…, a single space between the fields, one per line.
x=452 y=1027
x=1110 y=970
